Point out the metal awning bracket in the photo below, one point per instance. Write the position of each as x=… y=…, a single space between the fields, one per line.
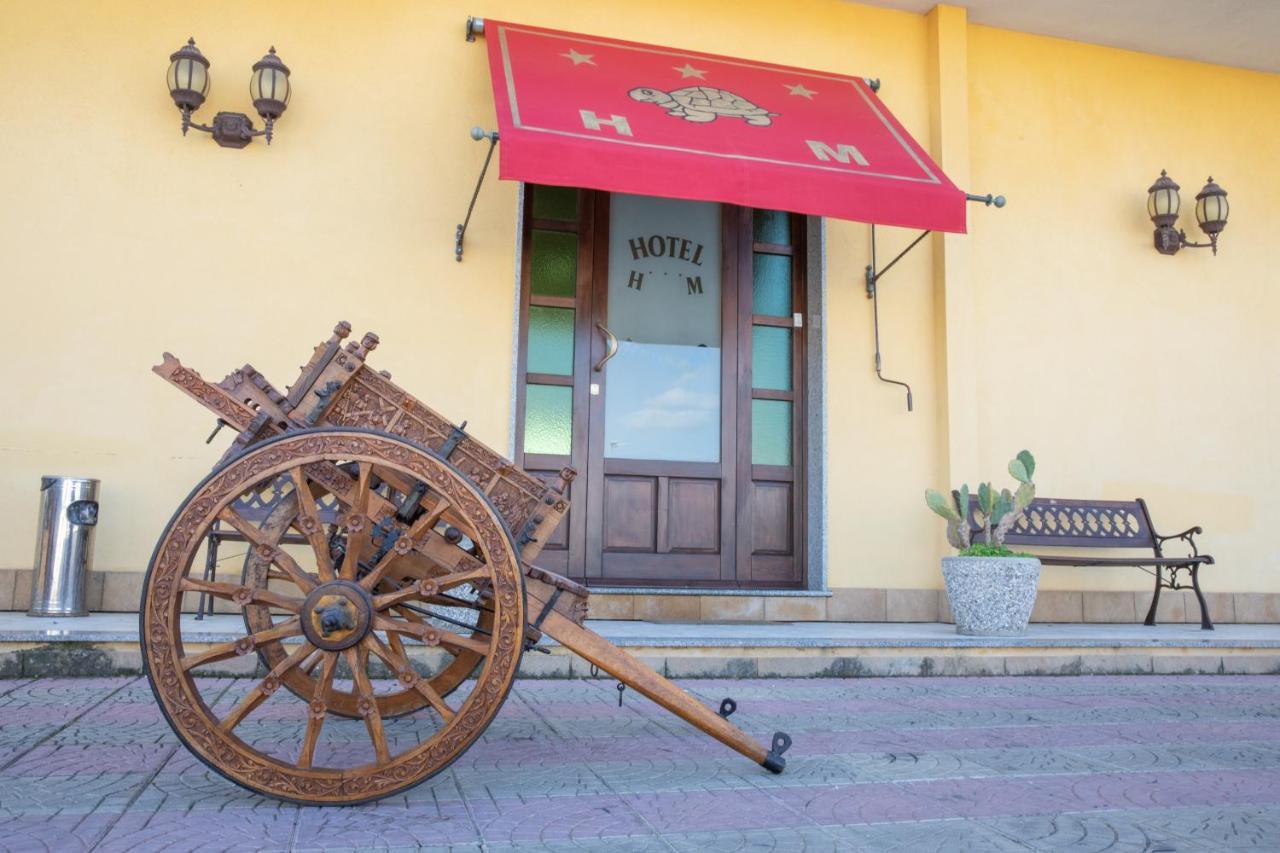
x=873 y=277
x=475 y=27
x=477 y=133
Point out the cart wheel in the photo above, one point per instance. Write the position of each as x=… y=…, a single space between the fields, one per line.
x=336 y=614
x=464 y=611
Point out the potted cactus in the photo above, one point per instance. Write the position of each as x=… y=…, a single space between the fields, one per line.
x=991 y=589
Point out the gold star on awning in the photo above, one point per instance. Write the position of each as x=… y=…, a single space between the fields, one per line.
x=688 y=70
x=799 y=89
x=579 y=58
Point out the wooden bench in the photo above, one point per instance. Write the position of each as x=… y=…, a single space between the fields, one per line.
x=1067 y=523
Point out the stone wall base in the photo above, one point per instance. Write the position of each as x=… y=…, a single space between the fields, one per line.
x=119 y=592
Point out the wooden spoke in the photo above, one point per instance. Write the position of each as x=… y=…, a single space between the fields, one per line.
x=408 y=592
x=459 y=578
x=264 y=549
x=397 y=645
x=265 y=687
x=242 y=595
x=358 y=518
x=427 y=589
x=309 y=665
x=317 y=710
x=400 y=665
x=428 y=522
x=410 y=615
x=358 y=660
x=309 y=523
x=431 y=635
x=243 y=646
x=372 y=579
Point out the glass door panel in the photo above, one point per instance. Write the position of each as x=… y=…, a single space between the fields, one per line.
x=664 y=307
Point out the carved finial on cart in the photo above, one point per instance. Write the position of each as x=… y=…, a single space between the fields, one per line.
x=368 y=344
x=565 y=477
x=340 y=331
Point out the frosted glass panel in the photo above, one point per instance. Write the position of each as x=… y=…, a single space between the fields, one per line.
x=771 y=285
x=550 y=340
x=548 y=419
x=554 y=263
x=555 y=203
x=771 y=358
x=770 y=432
x=772 y=226
x=662 y=389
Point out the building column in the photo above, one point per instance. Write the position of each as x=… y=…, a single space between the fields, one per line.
x=955 y=310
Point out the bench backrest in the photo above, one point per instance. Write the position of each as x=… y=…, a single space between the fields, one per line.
x=1070 y=523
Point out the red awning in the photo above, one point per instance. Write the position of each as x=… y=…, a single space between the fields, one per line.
x=582 y=111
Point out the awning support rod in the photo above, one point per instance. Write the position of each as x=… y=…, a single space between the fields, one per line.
x=873 y=278
x=477 y=134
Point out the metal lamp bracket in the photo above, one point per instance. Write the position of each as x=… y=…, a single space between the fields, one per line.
x=477 y=134
x=873 y=277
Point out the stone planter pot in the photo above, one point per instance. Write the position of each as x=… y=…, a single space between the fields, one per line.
x=991 y=596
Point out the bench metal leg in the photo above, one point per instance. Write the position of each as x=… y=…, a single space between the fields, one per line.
x=1205 y=624
x=1155 y=598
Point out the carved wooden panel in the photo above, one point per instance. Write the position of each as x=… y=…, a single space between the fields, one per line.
x=559 y=540
x=630 y=513
x=693 y=516
x=771 y=518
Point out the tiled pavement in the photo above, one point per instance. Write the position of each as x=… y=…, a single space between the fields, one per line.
x=1158 y=763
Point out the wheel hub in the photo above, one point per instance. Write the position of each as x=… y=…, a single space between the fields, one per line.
x=337 y=615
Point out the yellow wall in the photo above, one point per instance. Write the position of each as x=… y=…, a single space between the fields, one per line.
x=121 y=239
x=1128 y=372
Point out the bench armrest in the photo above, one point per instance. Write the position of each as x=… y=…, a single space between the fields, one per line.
x=1187 y=536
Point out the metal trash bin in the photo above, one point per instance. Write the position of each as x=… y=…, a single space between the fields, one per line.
x=64 y=546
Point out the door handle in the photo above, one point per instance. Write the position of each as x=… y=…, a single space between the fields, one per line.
x=610 y=347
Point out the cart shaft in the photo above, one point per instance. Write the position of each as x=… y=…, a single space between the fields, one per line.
x=644 y=680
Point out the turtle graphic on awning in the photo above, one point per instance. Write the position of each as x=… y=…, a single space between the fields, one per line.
x=704 y=104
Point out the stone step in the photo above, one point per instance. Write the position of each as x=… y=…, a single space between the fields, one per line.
x=107 y=644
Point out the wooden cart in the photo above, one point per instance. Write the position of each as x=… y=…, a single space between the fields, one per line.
x=433 y=547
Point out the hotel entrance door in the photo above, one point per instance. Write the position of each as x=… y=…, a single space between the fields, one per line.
x=662 y=357
x=661 y=447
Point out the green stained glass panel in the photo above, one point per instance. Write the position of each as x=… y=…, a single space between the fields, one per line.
x=554 y=263
x=555 y=203
x=772 y=226
x=770 y=432
x=550 y=340
x=548 y=419
x=771 y=358
x=771 y=285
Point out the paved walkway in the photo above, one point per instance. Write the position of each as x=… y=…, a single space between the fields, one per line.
x=992 y=764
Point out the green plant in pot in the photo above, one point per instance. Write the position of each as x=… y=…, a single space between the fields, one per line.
x=990 y=588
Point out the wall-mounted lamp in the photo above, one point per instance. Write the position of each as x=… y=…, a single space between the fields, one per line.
x=1163 y=203
x=189 y=84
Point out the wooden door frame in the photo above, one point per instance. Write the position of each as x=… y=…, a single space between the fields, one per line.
x=736 y=251
x=795 y=473
x=575 y=520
